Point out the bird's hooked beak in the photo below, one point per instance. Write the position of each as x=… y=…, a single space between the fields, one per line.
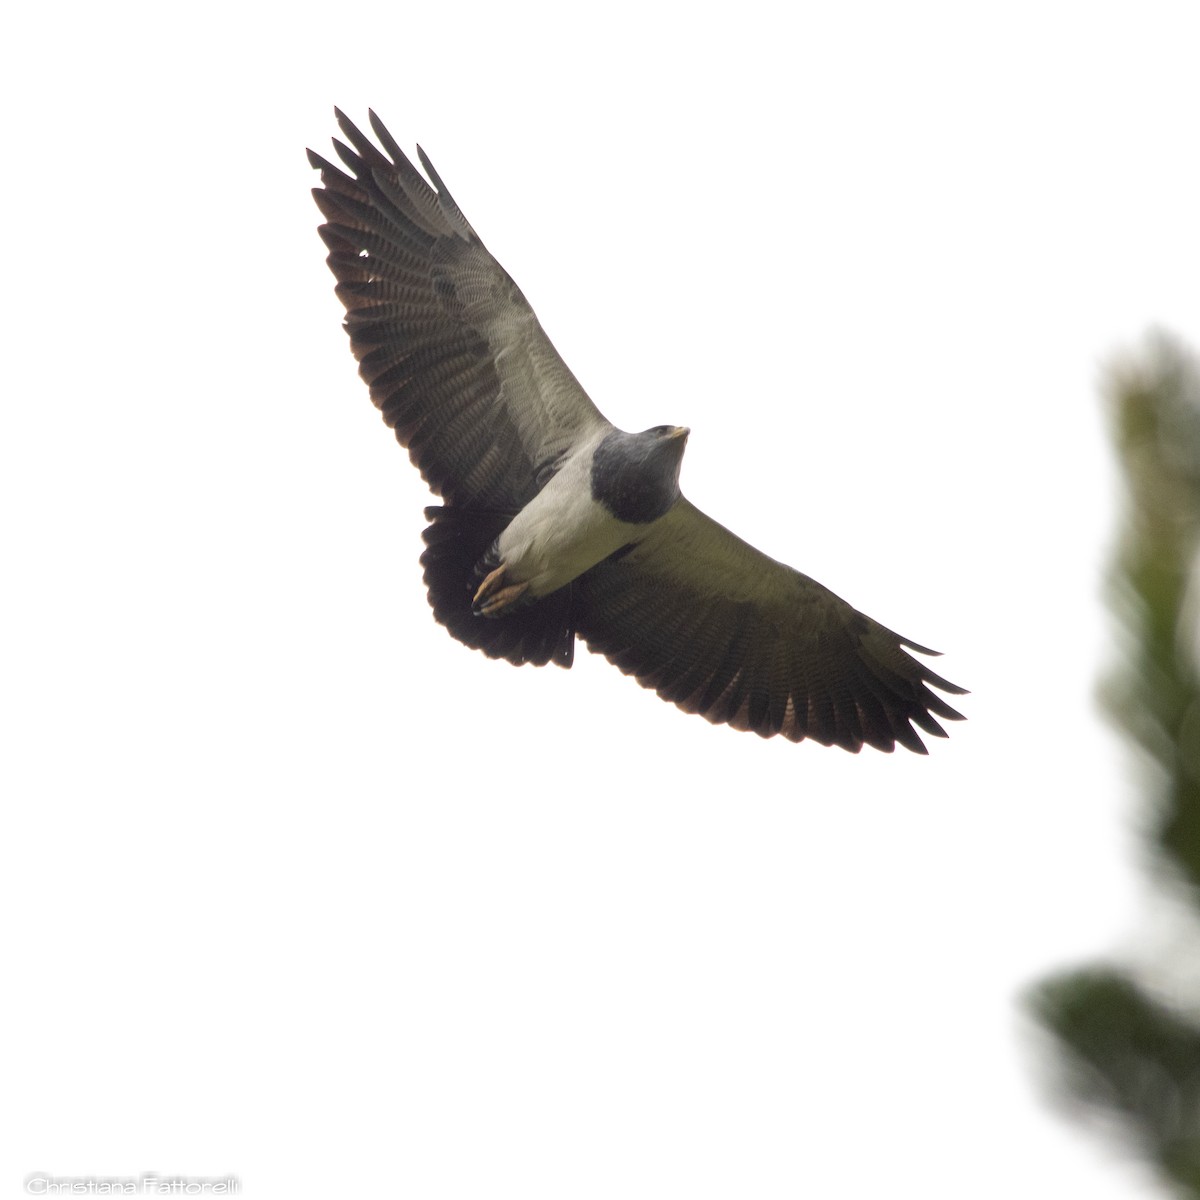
x=680 y=431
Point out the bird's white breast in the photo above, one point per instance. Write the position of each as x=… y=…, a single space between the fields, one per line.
x=562 y=531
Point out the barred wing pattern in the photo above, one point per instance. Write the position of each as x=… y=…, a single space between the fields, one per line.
x=453 y=354
x=720 y=629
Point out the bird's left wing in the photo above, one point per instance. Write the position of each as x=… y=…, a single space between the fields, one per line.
x=720 y=629
x=454 y=356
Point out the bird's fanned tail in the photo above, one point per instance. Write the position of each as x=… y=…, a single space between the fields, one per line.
x=456 y=541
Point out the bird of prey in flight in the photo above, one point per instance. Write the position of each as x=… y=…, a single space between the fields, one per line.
x=556 y=524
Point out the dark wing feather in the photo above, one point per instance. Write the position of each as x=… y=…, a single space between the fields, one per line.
x=722 y=630
x=452 y=352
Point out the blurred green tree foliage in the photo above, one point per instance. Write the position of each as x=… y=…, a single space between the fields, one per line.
x=1132 y=1051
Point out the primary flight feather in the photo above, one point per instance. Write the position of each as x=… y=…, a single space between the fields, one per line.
x=555 y=523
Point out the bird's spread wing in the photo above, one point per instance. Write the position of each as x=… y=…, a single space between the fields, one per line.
x=722 y=630
x=453 y=354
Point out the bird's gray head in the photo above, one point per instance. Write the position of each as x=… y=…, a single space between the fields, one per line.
x=636 y=475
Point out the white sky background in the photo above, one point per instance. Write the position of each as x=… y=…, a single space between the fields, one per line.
x=300 y=889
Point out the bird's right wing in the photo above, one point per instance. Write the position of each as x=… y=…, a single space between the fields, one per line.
x=721 y=629
x=452 y=352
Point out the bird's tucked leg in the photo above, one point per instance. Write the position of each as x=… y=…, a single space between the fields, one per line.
x=494 y=597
